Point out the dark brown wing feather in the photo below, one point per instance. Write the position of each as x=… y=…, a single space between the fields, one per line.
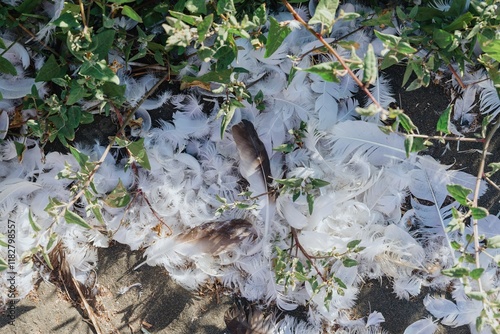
x=254 y=161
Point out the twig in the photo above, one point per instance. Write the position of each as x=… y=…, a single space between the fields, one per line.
x=333 y=52
x=455 y=74
x=33 y=36
x=474 y=140
x=480 y=173
x=309 y=257
x=88 y=308
x=493 y=184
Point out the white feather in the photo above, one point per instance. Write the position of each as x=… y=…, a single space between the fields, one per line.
x=378 y=148
x=423 y=326
x=4 y=124
x=14 y=187
x=374 y=319
x=463 y=312
x=489 y=100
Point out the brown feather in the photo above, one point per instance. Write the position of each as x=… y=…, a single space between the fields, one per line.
x=254 y=161
x=218 y=237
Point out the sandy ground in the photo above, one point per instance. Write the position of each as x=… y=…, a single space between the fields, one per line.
x=163 y=307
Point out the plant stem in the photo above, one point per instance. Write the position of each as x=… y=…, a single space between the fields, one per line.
x=474 y=140
x=296 y=238
x=480 y=173
x=333 y=52
x=455 y=74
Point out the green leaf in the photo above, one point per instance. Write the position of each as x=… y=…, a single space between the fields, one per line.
x=353 y=243
x=223 y=76
x=2 y=44
x=189 y=19
x=327 y=70
x=347 y=262
x=390 y=40
x=413 y=144
x=3 y=264
x=277 y=35
x=80 y=157
x=495 y=167
x=459 y=193
x=407 y=123
x=196 y=6
x=285 y=148
x=52 y=240
x=33 y=224
x=477 y=295
x=113 y=90
x=47 y=259
x=118 y=197
x=493 y=242
x=20 y=149
x=340 y=283
x=457 y=272
x=476 y=273
x=204 y=26
x=318 y=183
x=7 y=67
x=370 y=66
x=76 y=93
x=443 y=124
x=310 y=203
x=50 y=70
x=442 y=38
x=490 y=46
x=104 y=41
x=138 y=151
x=479 y=213
x=325 y=14
x=460 y=22
x=229 y=111
x=73 y=218
x=128 y=11
x=225 y=7
x=384 y=18
x=100 y=71
x=67 y=21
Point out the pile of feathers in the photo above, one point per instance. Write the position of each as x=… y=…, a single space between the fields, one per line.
x=175 y=218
